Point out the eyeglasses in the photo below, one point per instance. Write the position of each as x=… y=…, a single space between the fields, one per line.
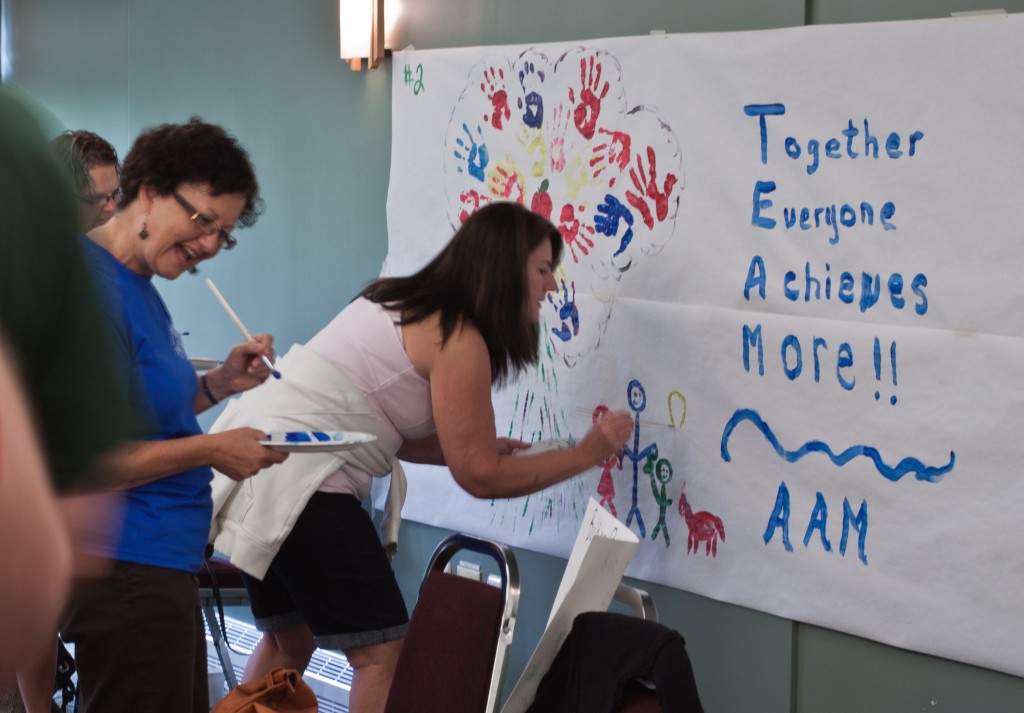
x=99 y=198
x=208 y=226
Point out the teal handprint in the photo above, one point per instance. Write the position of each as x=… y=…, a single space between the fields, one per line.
x=473 y=153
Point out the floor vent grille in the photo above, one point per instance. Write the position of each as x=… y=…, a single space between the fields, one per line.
x=328 y=674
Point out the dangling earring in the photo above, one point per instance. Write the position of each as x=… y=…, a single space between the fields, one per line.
x=143 y=233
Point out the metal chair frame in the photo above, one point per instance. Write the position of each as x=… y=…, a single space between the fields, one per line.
x=508 y=569
x=209 y=593
x=638 y=600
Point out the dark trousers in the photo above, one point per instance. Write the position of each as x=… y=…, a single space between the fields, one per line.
x=139 y=642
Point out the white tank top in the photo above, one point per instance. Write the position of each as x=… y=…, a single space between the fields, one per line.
x=364 y=342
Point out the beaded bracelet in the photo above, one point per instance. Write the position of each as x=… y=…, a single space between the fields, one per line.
x=206 y=389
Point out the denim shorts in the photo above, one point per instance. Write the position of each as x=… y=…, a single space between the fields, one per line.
x=332 y=574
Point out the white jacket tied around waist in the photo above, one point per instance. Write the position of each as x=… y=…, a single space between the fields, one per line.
x=252 y=518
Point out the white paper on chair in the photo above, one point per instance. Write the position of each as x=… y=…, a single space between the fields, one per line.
x=602 y=550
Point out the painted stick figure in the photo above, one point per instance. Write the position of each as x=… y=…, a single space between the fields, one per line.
x=637 y=398
x=606 y=487
x=662 y=473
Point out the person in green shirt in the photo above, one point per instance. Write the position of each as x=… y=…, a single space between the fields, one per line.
x=53 y=330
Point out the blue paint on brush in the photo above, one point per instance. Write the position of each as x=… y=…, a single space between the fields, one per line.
x=270 y=365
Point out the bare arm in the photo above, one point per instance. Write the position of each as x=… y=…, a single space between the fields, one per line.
x=428 y=449
x=242 y=370
x=422 y=450
x=460 y=387
x=35 y=560
x=236 y=453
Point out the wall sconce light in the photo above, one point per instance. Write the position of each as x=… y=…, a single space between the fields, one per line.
x=364 y=28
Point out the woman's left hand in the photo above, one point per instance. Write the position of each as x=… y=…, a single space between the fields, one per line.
x=244 y=367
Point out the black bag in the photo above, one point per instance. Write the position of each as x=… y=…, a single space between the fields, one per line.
x=63 y=683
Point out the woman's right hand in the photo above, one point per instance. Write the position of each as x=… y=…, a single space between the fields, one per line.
x=238 y=453
x=608 y=435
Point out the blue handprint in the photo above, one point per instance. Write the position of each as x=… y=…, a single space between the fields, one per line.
x=533 y=103
x=474 y=154
x=606 y=220
x=567 y=311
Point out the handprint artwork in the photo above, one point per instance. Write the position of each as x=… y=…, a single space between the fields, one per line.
x=561 y=138
x=772 y=279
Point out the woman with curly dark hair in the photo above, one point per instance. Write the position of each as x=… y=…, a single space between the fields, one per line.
x=411 y=360
x=138 y=634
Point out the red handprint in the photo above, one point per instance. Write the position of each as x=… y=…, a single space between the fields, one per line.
x=648 y=188
x=615 y=150
x=494 y=87
x=471 y=202
x=559 y=125
x=574 y=233
x=589 y=107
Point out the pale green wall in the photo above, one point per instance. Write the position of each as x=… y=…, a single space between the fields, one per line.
x=320 y=137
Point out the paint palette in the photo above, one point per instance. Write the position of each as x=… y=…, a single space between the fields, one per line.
x=551 y=444
x=316 y=441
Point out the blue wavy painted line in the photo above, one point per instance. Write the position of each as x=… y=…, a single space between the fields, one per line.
x=931 y=474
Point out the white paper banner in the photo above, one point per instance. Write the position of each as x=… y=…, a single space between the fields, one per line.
x=795 y=256
x=599 y=556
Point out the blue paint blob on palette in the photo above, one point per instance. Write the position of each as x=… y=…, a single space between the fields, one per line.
x=316 y=441
x=307 y=437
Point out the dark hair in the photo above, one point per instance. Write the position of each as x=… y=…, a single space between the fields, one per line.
x=80 y=151
x=479 y=278
x=166 y=156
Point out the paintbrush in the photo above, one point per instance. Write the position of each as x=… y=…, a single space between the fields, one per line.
x=644 y=421
x=241 y=327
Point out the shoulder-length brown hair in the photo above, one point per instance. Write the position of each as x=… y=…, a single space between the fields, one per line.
x=479 y=278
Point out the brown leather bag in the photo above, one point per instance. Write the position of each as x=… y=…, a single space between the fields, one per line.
x=281 y=690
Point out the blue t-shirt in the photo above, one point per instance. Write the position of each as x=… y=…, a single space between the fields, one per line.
x=166 y=521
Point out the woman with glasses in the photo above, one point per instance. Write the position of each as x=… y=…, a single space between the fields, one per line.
x=92 y=163
x=412 y=360
x=138 y=634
